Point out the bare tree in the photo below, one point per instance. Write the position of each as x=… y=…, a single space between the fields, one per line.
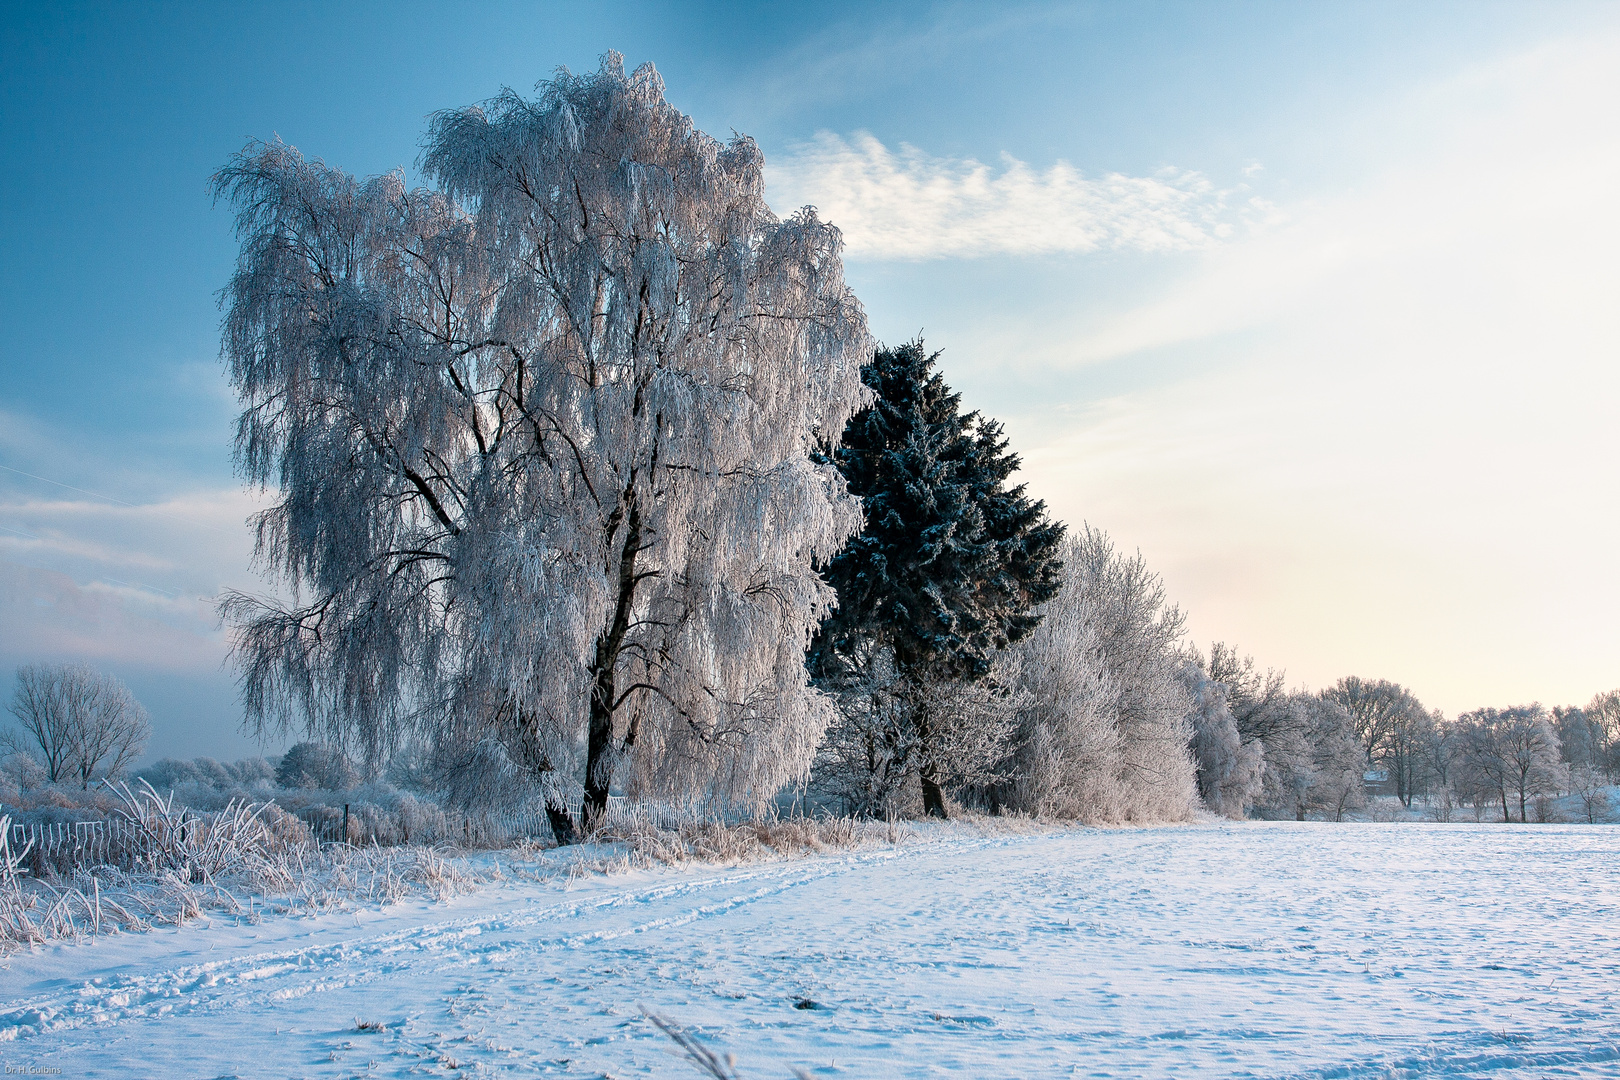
x=1279 y=724
x=1482 y=758
x=542 y=438
x=83 y=724
x=42 y=708
x=1510 y=752
x=1586 y=783
x=1530 y=748
x=1603 y=715
x=1441 y=751
x=1394 y=727
x=1313 y=759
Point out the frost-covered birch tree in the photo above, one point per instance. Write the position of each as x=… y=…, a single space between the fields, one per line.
x=541 y=439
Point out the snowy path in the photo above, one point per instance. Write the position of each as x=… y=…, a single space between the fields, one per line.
x=1226 y=950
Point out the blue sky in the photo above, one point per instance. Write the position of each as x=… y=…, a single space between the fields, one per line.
x=1311 y=303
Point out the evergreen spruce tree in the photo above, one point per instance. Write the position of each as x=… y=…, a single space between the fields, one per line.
x=951 y=562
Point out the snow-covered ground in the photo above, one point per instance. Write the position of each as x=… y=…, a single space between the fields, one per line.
x=1248 y=949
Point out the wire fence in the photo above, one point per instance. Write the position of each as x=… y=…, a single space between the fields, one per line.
x=59 y=847
x=366 y=826
x=63 y=844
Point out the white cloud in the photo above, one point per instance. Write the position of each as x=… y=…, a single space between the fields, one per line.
x=130 y=589
x=910 y=205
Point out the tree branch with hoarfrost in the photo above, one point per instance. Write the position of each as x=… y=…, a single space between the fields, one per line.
x=542 y=438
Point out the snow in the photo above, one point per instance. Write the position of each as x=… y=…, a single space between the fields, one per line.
x=1232 y=949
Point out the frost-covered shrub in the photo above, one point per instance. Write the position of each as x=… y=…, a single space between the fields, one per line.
x=376 y=813
x=51 y=804
x=1230 y=770
x=19 y=772
x=869 y=756
x=248 y=774
x=1105 y=722
x=316 y=765
x=206 y=785
x=891 y=728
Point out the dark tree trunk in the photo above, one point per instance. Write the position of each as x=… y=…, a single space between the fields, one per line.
x=604 y=671
x=933 y=797
x=562 y=826
x=599 y=745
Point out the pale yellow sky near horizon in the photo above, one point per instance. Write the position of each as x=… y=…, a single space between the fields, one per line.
x=1412 y=472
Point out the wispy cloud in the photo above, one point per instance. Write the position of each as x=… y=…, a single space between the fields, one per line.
x=877 y=52
x=912 y=205
x=46 y=615
x=119 y=582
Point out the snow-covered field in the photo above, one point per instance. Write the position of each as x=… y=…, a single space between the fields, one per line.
x=1250 y=949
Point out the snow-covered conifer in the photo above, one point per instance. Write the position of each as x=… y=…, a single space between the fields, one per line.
x=951 y=563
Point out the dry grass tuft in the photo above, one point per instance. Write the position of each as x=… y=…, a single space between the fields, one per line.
x=242 y=862
x=705 y=1060
x=643 y=837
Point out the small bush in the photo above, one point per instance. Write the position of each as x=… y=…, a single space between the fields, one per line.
x=315 y=765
